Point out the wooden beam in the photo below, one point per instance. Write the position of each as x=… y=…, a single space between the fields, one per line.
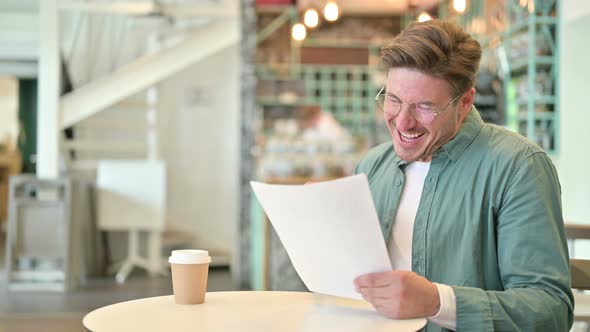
x=580 y=273
x=577 y=231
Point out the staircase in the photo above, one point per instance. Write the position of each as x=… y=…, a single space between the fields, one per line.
x=114 y=111
x=115 y=114
x=123 y=131
x=116 y=63
x=116 y=53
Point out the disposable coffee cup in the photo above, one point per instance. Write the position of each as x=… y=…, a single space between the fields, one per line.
x=190 y=269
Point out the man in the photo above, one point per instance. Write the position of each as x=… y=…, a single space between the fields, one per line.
x=317 y=125
x=471 y=213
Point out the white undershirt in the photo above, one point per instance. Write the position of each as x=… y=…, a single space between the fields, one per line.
x=400 y=241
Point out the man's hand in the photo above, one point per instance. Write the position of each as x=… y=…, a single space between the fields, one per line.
x=399 y=294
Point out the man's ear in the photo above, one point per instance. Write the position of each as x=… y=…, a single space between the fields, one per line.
x=466 y=101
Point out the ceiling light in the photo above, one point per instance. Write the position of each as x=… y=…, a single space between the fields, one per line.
x=459 y=5
x=424 y=16
x=298 y=32
x=311 y=18
x=331 y=11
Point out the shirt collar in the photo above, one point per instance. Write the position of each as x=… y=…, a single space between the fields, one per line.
x=469 y=130
x=400 y=162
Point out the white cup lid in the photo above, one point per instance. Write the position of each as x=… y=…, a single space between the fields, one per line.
x=189 y=256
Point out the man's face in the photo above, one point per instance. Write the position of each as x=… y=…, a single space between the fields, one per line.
x=413 y=140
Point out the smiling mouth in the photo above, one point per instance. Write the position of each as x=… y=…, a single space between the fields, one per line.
x=409 y=138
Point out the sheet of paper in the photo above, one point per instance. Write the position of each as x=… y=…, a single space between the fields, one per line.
x=330 y=230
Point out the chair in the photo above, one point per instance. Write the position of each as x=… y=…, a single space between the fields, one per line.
x=580 y=270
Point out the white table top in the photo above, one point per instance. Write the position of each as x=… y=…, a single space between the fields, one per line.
x=247 y=311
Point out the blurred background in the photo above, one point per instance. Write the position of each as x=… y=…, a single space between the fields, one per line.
x=132 y=128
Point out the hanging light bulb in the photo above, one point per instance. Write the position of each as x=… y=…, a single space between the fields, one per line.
x=298 y=32
x=331 y=11
x=311 y=18
x=424 y=16
x=459 y=5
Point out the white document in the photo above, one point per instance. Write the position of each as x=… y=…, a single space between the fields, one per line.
x=330 y=230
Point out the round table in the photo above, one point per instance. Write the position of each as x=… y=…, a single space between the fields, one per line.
x=247 y=311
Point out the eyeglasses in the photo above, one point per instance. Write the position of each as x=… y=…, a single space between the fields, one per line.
x=423 y=112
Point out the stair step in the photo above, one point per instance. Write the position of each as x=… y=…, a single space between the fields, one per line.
x=89 y=164
x=104 y=146
x=108 y=123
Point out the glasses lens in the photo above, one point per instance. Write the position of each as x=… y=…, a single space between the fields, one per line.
x=424 y=113
x=387 y=105
x=425 y=118
x=381 y=102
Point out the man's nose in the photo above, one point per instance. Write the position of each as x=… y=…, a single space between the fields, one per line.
x=406 y=117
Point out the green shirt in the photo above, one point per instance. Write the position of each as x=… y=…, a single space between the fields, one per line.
x=489 y=224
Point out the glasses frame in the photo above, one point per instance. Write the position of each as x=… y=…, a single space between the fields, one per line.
x=436 y=111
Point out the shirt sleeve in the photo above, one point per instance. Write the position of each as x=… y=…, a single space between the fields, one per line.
x=447 y=314
x=532 y=259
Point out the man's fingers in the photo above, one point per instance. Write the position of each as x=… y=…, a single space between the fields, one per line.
x=379 y=308
x=365 y=297
x=378 y=279
x=385 y=302
x=372 y=294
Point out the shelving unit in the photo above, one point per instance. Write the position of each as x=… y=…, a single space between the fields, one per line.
x=532 y=92
x=346 y=91
x=521 y=36
x=335 y=68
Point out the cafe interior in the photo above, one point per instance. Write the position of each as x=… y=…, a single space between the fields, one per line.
x=132 y=128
